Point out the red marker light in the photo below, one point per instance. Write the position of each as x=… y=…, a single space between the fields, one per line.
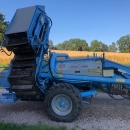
x=62 y=66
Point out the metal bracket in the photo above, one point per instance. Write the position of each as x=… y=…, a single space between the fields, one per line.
x=8 y=98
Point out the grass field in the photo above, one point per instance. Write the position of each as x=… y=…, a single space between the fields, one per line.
x=4 y=59
x=123 y=58
x=10 y=126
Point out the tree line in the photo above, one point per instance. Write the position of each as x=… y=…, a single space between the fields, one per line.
x=77 y=44
x=122 y=45
x=3 y=26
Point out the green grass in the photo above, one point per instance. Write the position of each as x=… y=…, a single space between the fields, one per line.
x=4 y=65
x=1 y=65
x=10 y=126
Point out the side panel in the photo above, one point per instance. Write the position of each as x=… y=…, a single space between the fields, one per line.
x=80 y=67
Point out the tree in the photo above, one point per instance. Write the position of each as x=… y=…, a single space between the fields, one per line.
x=3 y=26
x=59 y=46
x=95 y=45
x=124 y=44
x=74 y=45
x=112 y=47
x=51 y=46
x=104 y=47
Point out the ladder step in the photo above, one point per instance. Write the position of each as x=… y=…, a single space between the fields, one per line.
x=19 y=44
x=25 y=93
x=22 y=87
x=15 y=81
x=23 y=66
x=18 y=76
x=27 y=59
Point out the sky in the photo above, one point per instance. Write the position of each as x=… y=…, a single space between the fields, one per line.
x=102 y=20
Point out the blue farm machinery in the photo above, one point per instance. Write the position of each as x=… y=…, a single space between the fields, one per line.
x=62 y=83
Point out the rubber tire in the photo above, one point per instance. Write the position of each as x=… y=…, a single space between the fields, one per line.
x=75 y=97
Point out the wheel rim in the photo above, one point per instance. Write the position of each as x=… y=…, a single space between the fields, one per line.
x=61 y=104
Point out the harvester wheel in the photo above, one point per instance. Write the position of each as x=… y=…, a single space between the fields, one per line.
x=63 y=102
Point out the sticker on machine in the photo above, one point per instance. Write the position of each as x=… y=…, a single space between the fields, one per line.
x=59 y=71
x=120 y=80
x=95 y=70
x=91 y=70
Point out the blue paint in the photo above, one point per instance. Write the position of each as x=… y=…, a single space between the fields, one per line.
x=88 y=93
x=62 y=103
x=4 y=79
x=8 y=97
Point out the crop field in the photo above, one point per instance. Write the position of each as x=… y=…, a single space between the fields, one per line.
x=4 y=59
x=123 y=58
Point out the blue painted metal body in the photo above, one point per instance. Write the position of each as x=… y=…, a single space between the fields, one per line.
x=75 y=79
x=38 y=19
x=46 y=73
x=89 y=93
x=9 y=96
x=3 y=77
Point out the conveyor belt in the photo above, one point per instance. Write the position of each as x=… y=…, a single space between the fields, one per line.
x=22 y=74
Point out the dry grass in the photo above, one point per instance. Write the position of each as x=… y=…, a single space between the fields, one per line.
x=123 y=58
x=4 y=59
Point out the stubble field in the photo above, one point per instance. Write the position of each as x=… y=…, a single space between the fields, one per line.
x=123 y=58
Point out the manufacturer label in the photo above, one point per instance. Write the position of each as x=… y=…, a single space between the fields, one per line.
x=62 y=66
x=74 y=66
